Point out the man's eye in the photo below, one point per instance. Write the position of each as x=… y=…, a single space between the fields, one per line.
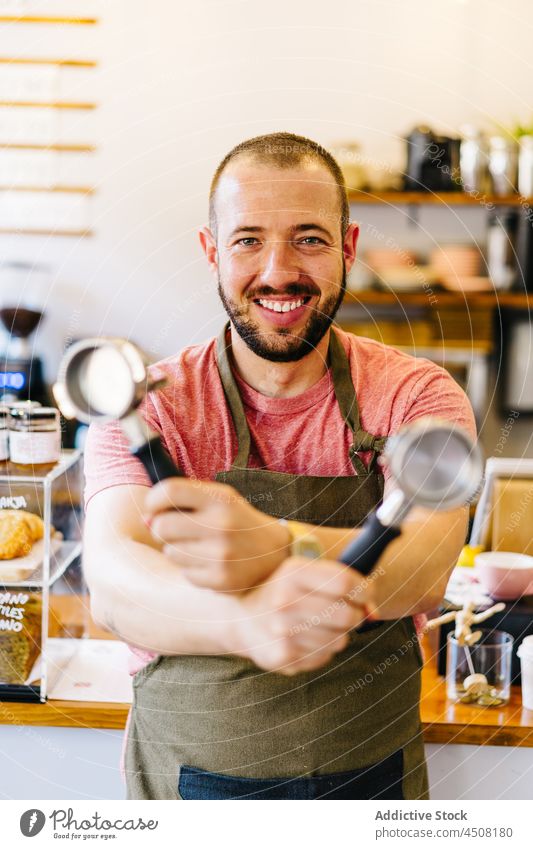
x=312 y=240
x=248 y=241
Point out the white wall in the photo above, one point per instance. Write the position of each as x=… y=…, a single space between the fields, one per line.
x=180 y=83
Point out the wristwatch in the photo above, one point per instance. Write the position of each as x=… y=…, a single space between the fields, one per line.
x=303 y=542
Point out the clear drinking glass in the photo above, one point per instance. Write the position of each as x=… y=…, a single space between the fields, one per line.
x=490 y=656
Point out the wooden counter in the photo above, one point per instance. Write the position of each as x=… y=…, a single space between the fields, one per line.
x=66 y=614
x=443 y=721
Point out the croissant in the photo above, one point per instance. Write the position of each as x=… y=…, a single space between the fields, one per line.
x=16 y=536
x=35 y=522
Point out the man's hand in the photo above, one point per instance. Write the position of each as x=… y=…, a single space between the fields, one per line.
x=299 y=619
x=214 y=534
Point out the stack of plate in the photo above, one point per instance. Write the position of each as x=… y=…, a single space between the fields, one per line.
x=458 y=268
x=397 y=269
x=379 y=259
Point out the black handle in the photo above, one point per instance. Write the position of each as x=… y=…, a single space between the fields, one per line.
x=156 y=460
x=366 y=549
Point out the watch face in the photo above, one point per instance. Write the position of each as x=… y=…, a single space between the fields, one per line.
x=307 y=547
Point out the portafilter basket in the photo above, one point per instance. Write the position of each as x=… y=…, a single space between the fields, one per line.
x=435 y=464
x=104 y=379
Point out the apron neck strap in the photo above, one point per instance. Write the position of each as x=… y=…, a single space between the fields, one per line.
x=344 y=393
x=347 y=401
x=233 y=398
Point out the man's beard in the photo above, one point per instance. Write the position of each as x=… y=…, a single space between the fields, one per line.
x=280 y=345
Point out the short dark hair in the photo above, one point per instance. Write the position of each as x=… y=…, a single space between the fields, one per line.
x=286 y=150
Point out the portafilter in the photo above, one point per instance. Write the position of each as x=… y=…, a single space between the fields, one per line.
x=104 y=379
x=434 y=464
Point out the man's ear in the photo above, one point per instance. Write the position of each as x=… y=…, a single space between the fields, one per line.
x=349 y=247
x=209 y=247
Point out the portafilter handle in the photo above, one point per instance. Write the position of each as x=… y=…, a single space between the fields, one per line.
x=365 y=550
x=156 y=461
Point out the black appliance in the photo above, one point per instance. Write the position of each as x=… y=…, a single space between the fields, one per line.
x=524 y=248
x=21 y=374
x=23 y=291
x=432 y=162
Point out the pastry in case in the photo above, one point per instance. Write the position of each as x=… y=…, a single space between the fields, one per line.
x=40 y=539
x=20 y=635
x=19 y=529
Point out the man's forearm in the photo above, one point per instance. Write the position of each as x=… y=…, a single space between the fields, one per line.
x=146 y=602
x=332 y=541
x=412 y=574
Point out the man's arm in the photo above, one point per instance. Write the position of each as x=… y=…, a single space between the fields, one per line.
x=223 y=543
x=145 y=598
x=412 y=574
x=138 y=593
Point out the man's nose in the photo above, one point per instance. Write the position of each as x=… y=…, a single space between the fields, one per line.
x=278 y=265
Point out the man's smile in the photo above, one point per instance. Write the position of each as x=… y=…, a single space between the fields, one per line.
x=283 y=310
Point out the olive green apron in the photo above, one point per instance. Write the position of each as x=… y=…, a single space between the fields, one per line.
x=224 y=715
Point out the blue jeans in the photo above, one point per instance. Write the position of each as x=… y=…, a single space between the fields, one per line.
x=382 y=780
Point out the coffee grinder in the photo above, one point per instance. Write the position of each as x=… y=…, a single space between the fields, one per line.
x=21 y=371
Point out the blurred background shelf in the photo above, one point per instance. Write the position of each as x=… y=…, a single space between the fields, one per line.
x=53 y=104
x=69 y=63
x=21 y=231
x=54 y=147
x=76 y=190
x=512 y=300
x=444 y=198
x=47 y=19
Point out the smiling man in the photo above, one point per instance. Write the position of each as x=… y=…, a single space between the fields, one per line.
x=258 y=674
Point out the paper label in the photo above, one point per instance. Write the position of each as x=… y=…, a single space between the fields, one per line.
x=34 y=448
x=4 y=445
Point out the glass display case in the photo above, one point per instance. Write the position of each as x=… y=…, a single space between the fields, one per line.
x=40 y=538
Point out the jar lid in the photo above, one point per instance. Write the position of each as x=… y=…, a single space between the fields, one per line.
x=502 y=142
x=29 y=414
x=23 y=405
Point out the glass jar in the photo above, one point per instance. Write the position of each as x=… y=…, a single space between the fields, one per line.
x=34 y=435
x=525 y=167
x=4 y=434
x=503 y=165
x=490 y=656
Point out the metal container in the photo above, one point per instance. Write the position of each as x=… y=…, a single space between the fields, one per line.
x=473 y=157
x=525 y=167
x=517 y=388
x=501 y=249
x=503 y=165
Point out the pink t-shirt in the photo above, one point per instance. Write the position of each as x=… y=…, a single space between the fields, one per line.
x=303 y=435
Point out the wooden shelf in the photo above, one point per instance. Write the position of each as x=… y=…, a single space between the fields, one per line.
x=46 y=19
x=71 y=63
x=439 y=298
x=73 y=190
x=36 y=104
x=77 y=234
x=60 y=148
x=443 y=198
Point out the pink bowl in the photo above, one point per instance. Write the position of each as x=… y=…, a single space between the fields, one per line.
x=505 y=575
